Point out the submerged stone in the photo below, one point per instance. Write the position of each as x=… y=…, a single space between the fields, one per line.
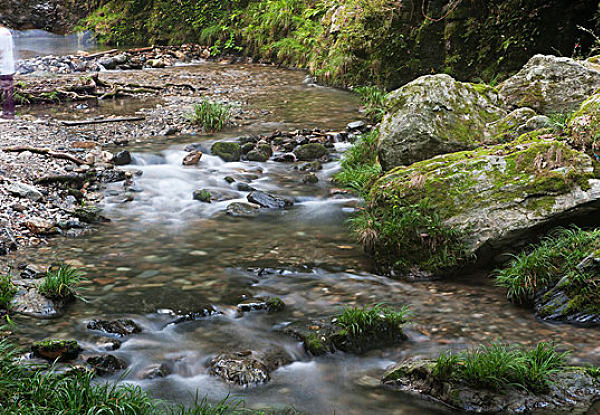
x=106 y=364
x=269 y=201
x=242 y=210
x=121 y=327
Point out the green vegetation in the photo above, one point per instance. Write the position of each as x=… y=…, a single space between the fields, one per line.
x=7 y=290
x=360 y=167
x=60 y=282
x=363 y=322
x=498 y=366
x=373 y=101
x=30 y=390
x=212 y=116
x=556 y=257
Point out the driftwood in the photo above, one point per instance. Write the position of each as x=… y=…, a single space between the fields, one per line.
x=101 y=121
x=61 y=178
x=96 y=55
x=46 y=152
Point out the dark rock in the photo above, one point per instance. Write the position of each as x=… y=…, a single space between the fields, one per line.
x=265 y=149
x=242 y=210
x=122 y=158
x=239 y=368
x=310 y=152
x=285 y=158
x=206 y=310
x=275 y=304
x=111 y=176
x=572 y=392
x=227 y=151
x=256 y=155
x=229 y=179
x=312 y=167
x=122 y=327
x=244 y=187
x=200 y=147
x=192 y=158
x=89 y=214
x=106 y=363
x=310 y=178
x=248 y=147
x=61 y=350
x=266 y=200
x=156 y=371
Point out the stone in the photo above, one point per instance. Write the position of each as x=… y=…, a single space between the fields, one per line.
x=120 y=328
x=550 y=84
x=202 y=196
x=28 y=300
x=356 y=125
x=240 y=368
x=227 y=151
x=572 y=392
x=248 y=147
x=25 y=190
x=61 y=350
x=122 y=158
x=433 y=115
x=494 y=197
x=584 y=126
x=310 y=152
x=268 y=201
x=40 y=226
x=242 y=210
x=105 y=364
x=156 y=371
x=202 y=312
x=256 y=155
x=192 y=158
x=310 y=178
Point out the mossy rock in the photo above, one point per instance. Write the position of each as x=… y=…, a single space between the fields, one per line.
x=61 y=350
x=310 y=152
x=583 y=127
x=256 y=155
x=275 y=304
x=227 y=151
x=551 y=84
x=492 y=197
x=435 y=114
x=202 y=196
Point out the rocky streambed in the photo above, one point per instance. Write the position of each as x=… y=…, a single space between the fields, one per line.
x=182 y=292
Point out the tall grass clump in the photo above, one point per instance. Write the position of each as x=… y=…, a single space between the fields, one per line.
x=360 y=167
x=60 y=283
x=543 y=265
x=373 y=102
x=360 y=322
x=7 y=290
x=499 y=366
x=211 y=116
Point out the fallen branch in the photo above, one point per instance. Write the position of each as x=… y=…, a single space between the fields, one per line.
x=96 y=55
x=45 y=151
x=102 y=121
x=61 y=178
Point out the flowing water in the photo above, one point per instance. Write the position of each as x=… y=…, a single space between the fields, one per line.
x=164 y=252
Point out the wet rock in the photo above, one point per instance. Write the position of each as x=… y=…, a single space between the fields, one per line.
x=192 y=158
x=256 y=155
x=202 y=196
x=204 y=311
x=275 y=304
x=285 y=158
x=244 y=187
x=310 y=178
x=435 y=114
x=61 y=350
x=111 y=176
x=200 y=147
x=30 y=271
x=105 y=364
x=229 y=179
x=268 y=201
x=248 y=147
x=356 y=125
x=227 y=151
x=122 y=158
x=41 y=226
x=242 y=210
x=169 y=131
x=312 y=167
x=156 y=371
x=121 y=327
x=239 y=368
x=25 y=190
x=89 y=214
x=572 y=392
x=310 y=152
x=28 y=301
x=550 y=84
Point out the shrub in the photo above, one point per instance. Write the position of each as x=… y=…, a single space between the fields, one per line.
x=60 y=283
x=499 y=366
x=359 y=322
x=212 y=116
x=360 y=167
x=373 y=101
x=543 y=265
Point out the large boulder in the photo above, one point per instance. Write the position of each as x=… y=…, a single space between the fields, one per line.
x=435 y=114
x=549 y=84
x=490 y=198
x=583 y=127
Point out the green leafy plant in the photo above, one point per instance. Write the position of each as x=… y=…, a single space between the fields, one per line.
x=60 y=283
x=360 y=167
x=7 y=290
x=499 y=366
x=358 y=322
x=212 y=116
x=373 y=101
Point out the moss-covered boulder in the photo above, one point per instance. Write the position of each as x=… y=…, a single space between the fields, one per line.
x=62 y=350
x=227 y=151
x=310 y=152
x=551 y=85
x=433 y=115
x=583 y=127
x=433 y=215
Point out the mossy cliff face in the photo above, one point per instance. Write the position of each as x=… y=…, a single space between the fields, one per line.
x=352 y=42
x=434 y=115
x=57 y=16
x=491 y=196
x=583 y=127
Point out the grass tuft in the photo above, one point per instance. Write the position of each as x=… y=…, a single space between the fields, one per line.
x=7 y=290
x=373 y=101
x=60 y=283
x=359 y=322
x=499 y=366
x=212 y=116
x=360 y=167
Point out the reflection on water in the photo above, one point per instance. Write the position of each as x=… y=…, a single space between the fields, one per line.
x=32 y=43
x=164 y=250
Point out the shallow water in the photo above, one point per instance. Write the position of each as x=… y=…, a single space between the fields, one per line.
x=164 y=251
x=32 y=43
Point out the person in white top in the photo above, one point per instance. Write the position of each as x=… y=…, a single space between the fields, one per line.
x=7 y=70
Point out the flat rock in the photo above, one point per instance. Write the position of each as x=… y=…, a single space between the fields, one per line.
x=25 y=190
x=242 y=210
x=269 y=201
x=121 y=327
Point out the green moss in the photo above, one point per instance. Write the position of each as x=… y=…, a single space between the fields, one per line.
x=314 y=345
x=275 y=304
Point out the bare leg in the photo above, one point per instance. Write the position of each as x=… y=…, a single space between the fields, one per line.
x=7 y=83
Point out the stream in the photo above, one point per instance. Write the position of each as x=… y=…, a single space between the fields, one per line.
x=164 y=253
